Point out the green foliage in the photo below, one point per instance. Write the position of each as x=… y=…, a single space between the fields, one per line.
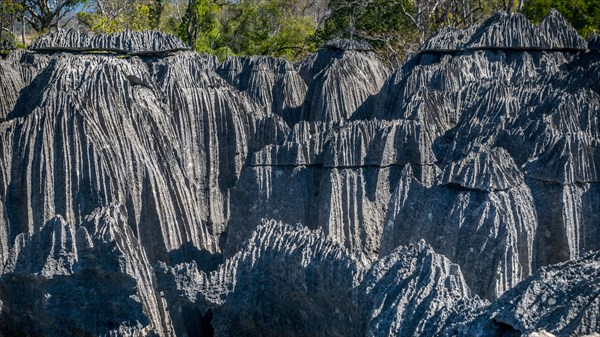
x=584 y=15
x=292 y=29
x=168 y=21
x=9 y=11
x=43 y=15
x=200 y=26
x=142 y=18
x=349 y=19
x=132 y=15
x=7 y=40
x=156 y=11
x=386 y=25
x=269 y=28
x=260 y=27
x=397 y=27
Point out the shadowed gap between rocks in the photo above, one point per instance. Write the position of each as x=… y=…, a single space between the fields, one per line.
x=196 y=324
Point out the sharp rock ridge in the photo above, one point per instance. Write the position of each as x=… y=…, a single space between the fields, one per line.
x=303 y=274
x=509 y=31
x=343 y=69
x=486 y=149
x=91 y=278
x=416 y=292
x=274 y=84
x=281 y=274
x=168 y=139
x=127 y=42
x=562 y=299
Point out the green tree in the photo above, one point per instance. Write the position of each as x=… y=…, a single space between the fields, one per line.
x=387 y=25
x=172 y=16
x=397 y=27
x=584 y=15
x=44 y=15
x=200 y=26
x=156 y=10
x=10 y=11
x=280 y=28
x=110 y=16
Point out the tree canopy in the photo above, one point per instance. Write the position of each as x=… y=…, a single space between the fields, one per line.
x=584 y=15
x=397 y=27
x=288 y=28
x=110 y=16
x=268 y=27
x=43 y=15
x=10 y=10
x=200 y=26
x=282 y=28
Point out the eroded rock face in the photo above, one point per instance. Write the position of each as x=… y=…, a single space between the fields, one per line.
x=468 y=223
x=412 y=194
x=341 y=69
x=335 y=176
x=415 y=292
x=498 y=167
x=509 y=31
x=518 y=168
x=81 y=280
x=289 y=275
x=273 y=83
x=128 y=42
x=282 y=276
x=562 y=299
x=10 y=86
x=17 y=71
x=167 y=139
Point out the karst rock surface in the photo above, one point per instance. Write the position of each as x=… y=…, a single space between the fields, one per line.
x=127 y=42
x=290 y=275
x=147 y=190
x=90 y=279
x=563 y=300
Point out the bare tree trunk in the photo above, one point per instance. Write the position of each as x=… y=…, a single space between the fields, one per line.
x=351 y=29
x=23 y=28
x=190 y=26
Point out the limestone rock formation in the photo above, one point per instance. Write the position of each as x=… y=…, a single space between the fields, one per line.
x=149 y=190
x=480 y=128
x=283 y=276
x=17 y=71
x=594 y=42
x=310 y=91
x=509 y=31
x=489 y=233
x=415 y=292
x=10 y=86
x=562 y=299
x=80 y=280
x=331 y=175
x=507 y=118
x=289 y=275
x=128 y=42
x=165 y=141
x=274 y=84
x=334 y=72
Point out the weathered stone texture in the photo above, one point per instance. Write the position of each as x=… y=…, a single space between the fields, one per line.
x=146 y=189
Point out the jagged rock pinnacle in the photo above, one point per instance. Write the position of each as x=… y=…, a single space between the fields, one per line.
x=149 y=190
